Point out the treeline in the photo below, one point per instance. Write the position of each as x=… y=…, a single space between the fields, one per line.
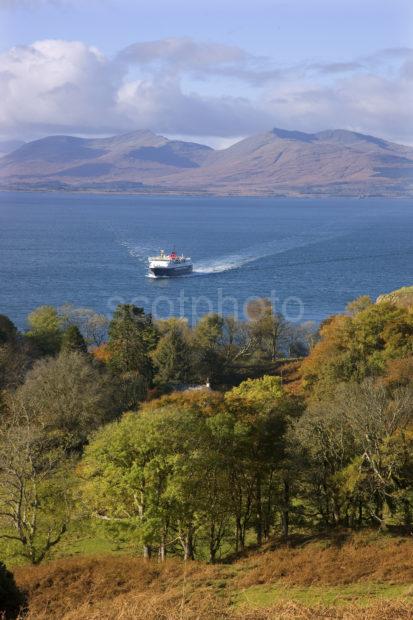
x=198 y=472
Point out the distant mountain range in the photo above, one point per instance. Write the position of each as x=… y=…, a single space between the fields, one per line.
x=7 y=146
x=278 y=162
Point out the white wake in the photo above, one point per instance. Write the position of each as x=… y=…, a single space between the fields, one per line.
x=252 y=253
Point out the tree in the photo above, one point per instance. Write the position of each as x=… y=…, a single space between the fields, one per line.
x=358 y=305
x=8 y=331
x=172 y=357
x=352 y=348
x=92 y=325
x=132 y=337
x=45 y=329
x=207 y=340
x=130 y=470
x=16 y=358
x=34 y=487
x=324 y=446
x=268 y=329
x=357 y=454
x=72 y=340
x=399 y=372
x=68 y=398
x=262 y=412
x=379 y=422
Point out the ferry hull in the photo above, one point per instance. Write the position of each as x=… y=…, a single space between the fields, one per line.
x=170 y=272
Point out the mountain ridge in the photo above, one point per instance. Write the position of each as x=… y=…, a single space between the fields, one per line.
x=276 y=162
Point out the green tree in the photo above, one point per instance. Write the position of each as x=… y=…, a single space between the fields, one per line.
x=132 y=337
x=34 y=487
x=207 y=341
x=172 y=357
x=72 y=340
x=45 y=329
x=262 y=413
x=160 y=473
x=128 y=469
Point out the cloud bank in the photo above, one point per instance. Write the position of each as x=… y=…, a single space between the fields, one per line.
x=181 y=86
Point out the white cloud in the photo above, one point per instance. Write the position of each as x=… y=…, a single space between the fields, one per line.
x=164 y=107
x=365 y=102
x=56 y=86
x=52 y=85
x=183 y=53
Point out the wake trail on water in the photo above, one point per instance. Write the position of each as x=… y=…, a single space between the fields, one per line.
x=253 y=253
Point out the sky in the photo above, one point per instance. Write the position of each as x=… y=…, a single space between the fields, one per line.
x=208 y=71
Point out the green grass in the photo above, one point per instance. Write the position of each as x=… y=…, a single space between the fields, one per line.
x=361 y=594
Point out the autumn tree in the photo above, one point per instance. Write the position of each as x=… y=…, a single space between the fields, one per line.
x=357 y=446
x=67 y=397
x=352 y=348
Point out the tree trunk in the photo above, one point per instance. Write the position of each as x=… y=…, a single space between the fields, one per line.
x=258 y=527
x=407 y=512
x=147 y=552
x=360 y=515
x=285 y=514
x=189 y=552
x=240 y=536
x=213 y=544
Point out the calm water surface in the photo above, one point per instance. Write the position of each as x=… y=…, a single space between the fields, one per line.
x=313 y=256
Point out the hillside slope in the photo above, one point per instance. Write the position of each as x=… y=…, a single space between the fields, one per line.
x=277 y=162
x=359 y=578
x=332 y=162
x=135 y=158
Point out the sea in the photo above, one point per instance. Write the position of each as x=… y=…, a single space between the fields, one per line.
x=310 y=257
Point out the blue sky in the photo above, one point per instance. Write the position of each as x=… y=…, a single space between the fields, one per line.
x=212 y=71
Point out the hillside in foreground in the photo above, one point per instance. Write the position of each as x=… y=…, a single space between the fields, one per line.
x=277 y=162
x=343 y=577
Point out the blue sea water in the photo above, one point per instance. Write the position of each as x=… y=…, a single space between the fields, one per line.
x=312 y=256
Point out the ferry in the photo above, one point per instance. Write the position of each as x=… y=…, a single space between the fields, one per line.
x=167 y=265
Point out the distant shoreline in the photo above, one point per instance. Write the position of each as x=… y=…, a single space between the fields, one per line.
x=199 y=194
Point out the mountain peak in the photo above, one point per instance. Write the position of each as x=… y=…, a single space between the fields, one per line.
x=346 y=136
x=139 y=137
